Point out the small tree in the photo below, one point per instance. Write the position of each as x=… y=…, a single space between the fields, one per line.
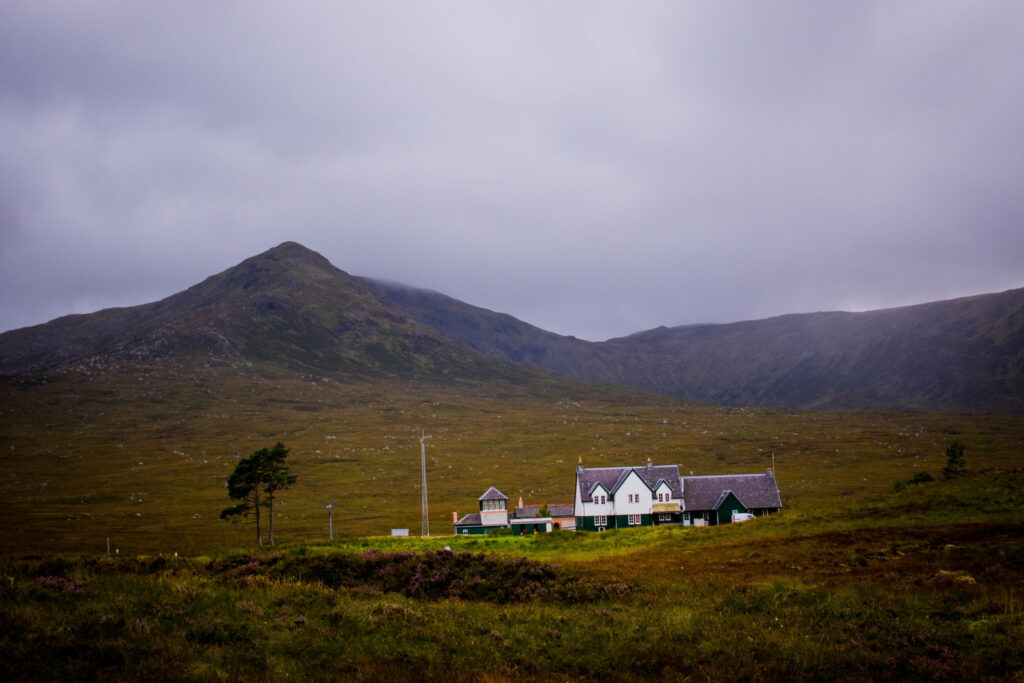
x=544 y=511
x=255 y=481
x=244 y=484
x=275 y=478
x=955 y=462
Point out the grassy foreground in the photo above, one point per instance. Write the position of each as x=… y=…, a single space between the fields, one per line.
x=919 y=584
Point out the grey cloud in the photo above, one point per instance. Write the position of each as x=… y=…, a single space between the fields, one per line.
x=593 y=168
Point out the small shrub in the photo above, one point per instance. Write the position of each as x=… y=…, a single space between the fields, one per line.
x=59 y=584
x=919 y=478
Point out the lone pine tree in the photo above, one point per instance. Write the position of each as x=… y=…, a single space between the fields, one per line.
x=955 y=462
x=254 y=482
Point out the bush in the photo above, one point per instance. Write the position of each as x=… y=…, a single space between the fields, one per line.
x=436 y=575
x=919 y=478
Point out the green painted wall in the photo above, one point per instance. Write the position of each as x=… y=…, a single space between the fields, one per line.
x=587 y=523
x=619 y=522
x=725 y=509
x=622 y=521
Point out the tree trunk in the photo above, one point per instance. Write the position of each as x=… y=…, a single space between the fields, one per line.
x=271 y=500
x=259 y=532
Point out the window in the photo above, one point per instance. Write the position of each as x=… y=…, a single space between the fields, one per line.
x=664 y=518
x=465 y=531
x=634 y=520
x=599 y=500
x=600 y=520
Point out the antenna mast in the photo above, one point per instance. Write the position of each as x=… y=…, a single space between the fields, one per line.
x=425 y=530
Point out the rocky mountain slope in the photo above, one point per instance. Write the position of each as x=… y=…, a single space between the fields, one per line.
x=959 y=355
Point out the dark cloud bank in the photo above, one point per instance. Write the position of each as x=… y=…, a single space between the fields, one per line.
x=593 y=168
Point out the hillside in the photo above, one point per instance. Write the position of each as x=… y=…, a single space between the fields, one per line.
x=963 y=355
x=290 y=310
x=285 y=309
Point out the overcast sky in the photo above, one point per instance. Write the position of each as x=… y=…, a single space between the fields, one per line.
x=594 y=168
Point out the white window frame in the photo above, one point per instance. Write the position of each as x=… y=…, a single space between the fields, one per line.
x=633 y=520
x=665 y=517
x=600 y=520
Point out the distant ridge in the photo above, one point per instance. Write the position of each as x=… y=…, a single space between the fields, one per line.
x=962 y=355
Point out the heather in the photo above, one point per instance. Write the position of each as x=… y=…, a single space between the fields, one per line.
x=867 y=592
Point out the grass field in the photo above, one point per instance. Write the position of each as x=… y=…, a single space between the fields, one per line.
x=923 y=584
x=120 y=455
x=853 y=580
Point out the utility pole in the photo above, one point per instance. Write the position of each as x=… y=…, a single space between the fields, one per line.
x=425 y=530
x=330 y=518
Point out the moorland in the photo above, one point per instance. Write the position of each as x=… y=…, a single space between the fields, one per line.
x=126 y=426
x=853 y=580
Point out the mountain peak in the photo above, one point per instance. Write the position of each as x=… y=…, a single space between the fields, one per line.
x=287 y=307
x=295 y=253
x=291 y=250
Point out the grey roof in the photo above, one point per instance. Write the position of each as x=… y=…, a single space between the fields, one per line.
x=753 y=490
x=612 y=477
x=493 y=494
x=557 y=511
x=472 y=519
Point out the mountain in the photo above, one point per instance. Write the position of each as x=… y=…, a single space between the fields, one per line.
x=962 y=355
x=287 y=308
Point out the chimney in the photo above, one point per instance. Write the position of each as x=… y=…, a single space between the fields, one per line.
x=520 y=501
x=455 y=517
x=649 y=464
x=579 y=467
